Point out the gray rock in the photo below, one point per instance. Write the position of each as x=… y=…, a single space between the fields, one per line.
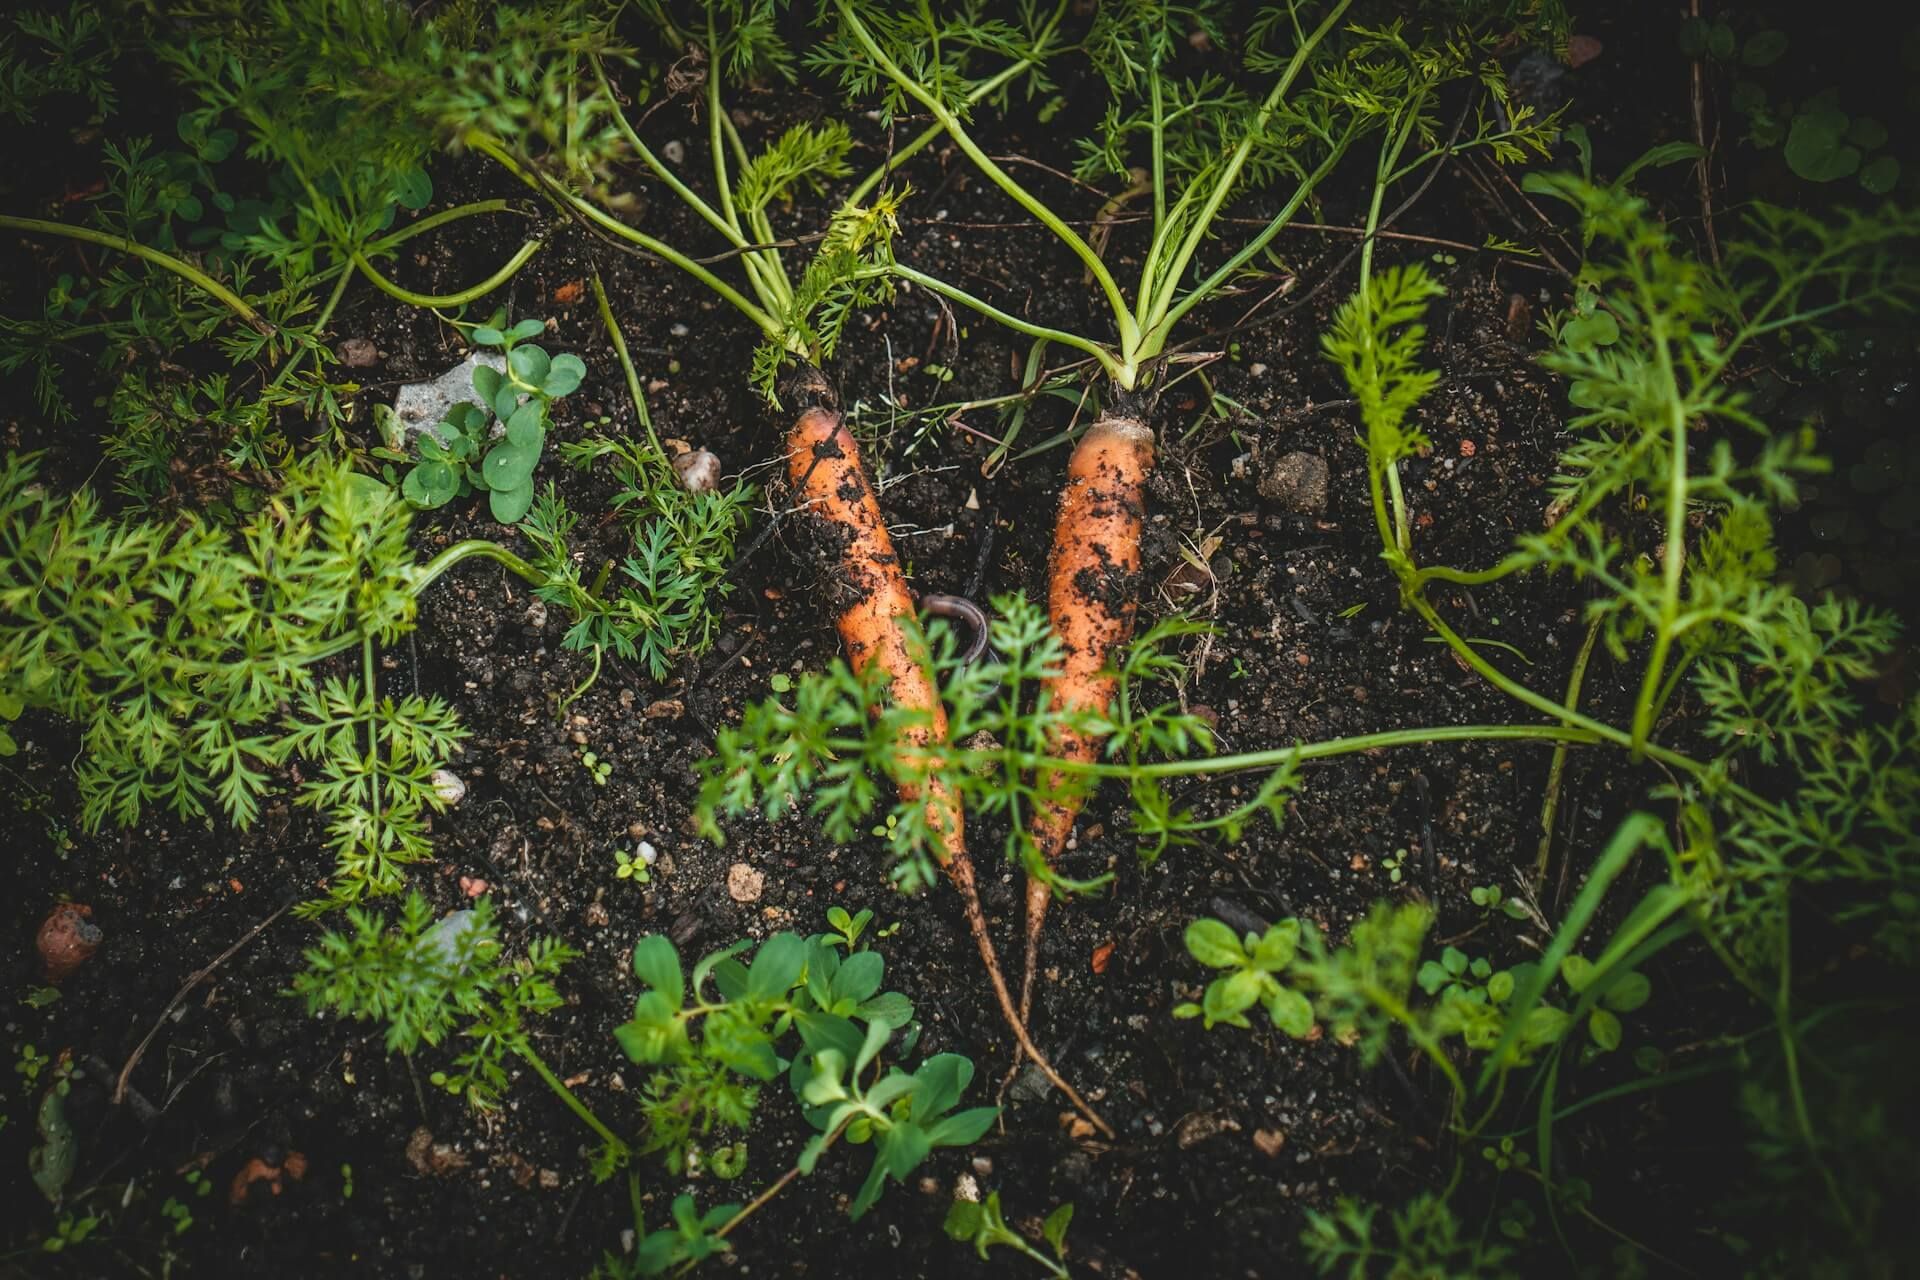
x=420 y=406
x=1297 y=481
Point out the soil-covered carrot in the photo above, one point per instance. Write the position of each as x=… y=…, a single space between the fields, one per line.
x=1092 y=589
x=873 y=609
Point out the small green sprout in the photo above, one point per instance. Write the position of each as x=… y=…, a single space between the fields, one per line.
x=597 y=769
x=982 y=1224
x=635 y=866
x=847 y=929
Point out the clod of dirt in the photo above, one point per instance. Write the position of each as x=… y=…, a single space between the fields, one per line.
x=699 y=471
x=259 y=1170
x=1269 y=1141
x=67 y=938
x=1298 y=482
x=744 y=884
x=430 y=1158
x=358 y=353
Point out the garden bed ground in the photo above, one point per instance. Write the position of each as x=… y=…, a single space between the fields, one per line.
x=1224 y=1139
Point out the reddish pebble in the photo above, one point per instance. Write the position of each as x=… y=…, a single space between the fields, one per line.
x=67 y=938
x=1466 y=448
x=472 y=886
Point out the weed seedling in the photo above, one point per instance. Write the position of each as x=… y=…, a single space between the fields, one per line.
x=597 y=769
x=633 y=866
x=984 y=1226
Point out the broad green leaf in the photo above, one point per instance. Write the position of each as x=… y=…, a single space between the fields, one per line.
x=1274 y=952
x=527 y=429
x=1605 y=1028
x=1816 y=146
x=941 y=1079
x=1291 y=1012
x=430 y=484
x=509 y=506
x=1628 y=993
x=1213 y=944
x=776 y=966
x=507 y=466
x=413 y=189
x=505 y=401
x=963 y=1128
x=530 y=363
x=527 y=328
x=1054 y=1229
x=708 y=962
x=1880 y=175
x=1583 y=334
x=889 y=1007
x=486 y=382
x=657 y=963
x=1576 y=970
x=964 y=1219
x=859 y=977
x=567 y=373
x=488 y=336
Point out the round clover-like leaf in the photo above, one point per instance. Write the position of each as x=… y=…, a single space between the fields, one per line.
x=526 y=429
x=486 y=382
x=508 y=466
x=1628 y=993
x=530 y=363
x=509 y=505
x=487 y=336
x=526 y=329
x=567 y=373
x=413 y=189
x=1816 y=147
x=1880 y=174
x=1605 y=1029
x=430 y=484
x=505 y=401
x=1213 y=944
x=1587 y=332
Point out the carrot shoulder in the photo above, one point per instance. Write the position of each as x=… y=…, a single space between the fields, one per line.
x=1092 y=595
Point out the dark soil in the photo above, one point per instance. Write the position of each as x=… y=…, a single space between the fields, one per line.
x=1225 y=1139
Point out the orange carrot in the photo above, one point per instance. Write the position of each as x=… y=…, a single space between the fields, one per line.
x=873 y=607
x=1092 y=590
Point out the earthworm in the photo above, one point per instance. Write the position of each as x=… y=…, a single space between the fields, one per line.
x=960 y=609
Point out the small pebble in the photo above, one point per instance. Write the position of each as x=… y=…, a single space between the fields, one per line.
x=673 y=151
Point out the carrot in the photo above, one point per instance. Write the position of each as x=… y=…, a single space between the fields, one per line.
x=873 y=607
x=1091 y=596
